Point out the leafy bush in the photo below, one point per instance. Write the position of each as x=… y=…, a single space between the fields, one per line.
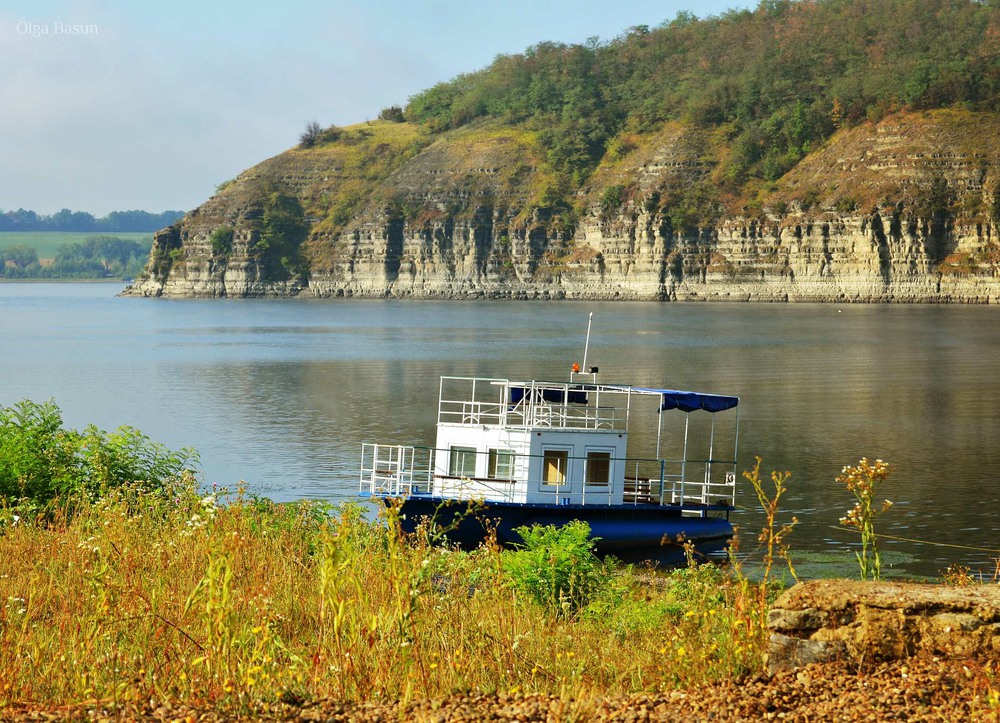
x=42 y=461
x=20 y=256
x=281 y=229
x=393 y=113
x=330 y=134
x=611 y=200
x=557 y=567
x=845 y=204
x=222 y=240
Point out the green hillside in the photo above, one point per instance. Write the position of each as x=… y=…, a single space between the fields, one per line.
x=772 y=84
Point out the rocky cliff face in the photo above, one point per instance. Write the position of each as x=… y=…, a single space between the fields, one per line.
x=902 y=210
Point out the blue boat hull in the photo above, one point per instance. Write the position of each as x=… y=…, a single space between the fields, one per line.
x=630 y=532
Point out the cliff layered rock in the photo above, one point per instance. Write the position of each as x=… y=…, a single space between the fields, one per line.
x=901 y=210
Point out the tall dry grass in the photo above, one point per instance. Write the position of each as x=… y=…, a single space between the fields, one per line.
x=183 y=597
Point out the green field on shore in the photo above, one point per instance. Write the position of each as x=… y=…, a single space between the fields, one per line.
x=47 y=243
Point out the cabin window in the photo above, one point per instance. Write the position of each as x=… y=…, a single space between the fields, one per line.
x=501 y=464
x=463 y=462
x=554 y=466
x=598 y=468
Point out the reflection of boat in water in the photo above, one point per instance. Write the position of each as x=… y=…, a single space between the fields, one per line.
x=511 y=453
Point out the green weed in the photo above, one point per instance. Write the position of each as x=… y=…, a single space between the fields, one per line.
x=557 y=567
x=772 y=535
x=864 y=482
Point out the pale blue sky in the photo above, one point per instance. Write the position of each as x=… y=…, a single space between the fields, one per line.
x=170 y=98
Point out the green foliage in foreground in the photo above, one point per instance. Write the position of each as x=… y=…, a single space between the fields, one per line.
x=557 y=567
x=41 y=461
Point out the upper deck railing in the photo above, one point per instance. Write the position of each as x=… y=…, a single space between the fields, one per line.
x=476 y=401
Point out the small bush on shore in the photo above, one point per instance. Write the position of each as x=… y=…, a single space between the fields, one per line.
x=557 y=567
x=41 y=461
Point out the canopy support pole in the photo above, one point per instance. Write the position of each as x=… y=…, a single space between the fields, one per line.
x=684 y=460
x=659 y=425
x=708 y=465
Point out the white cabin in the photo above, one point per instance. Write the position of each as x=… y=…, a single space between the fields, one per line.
x=530 y=442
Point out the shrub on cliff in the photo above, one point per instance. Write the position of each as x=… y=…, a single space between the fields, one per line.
x=222 y=240
x=281 y=230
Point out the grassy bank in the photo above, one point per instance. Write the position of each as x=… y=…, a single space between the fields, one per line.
x=177 y=597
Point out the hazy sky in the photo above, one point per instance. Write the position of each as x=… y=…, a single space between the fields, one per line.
x=155 y=103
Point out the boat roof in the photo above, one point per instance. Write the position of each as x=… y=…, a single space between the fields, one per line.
x=685 y=401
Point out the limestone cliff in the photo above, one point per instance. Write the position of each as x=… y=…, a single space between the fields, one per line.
x=902 y=210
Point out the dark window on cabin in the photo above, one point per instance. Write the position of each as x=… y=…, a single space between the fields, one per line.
x=501 y=464
x=462 y=462
x=554 y=466
x=598 y=468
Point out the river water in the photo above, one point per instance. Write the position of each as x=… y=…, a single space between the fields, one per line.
x=281 y=394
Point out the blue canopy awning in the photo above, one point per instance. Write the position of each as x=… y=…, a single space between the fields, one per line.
x=693 y=401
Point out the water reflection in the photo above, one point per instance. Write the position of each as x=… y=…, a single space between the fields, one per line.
x=281 y=394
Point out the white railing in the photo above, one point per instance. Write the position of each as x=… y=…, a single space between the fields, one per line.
x=559 y=416
x=550 y=416
x=680 y=482
x=704 y=492
x=395 y=470
x=468 y=488
x=468 y=401
x=470 y=413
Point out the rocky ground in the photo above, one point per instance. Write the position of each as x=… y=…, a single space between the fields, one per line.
x=923 y=689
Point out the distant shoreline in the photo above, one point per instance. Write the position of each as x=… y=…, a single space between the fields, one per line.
x=60 y=281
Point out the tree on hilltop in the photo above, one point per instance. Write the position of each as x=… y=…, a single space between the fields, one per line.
x=312 y=133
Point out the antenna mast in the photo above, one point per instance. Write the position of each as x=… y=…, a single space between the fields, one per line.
x=586 y=346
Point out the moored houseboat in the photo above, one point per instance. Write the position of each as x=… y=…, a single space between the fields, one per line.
x=515 y=452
